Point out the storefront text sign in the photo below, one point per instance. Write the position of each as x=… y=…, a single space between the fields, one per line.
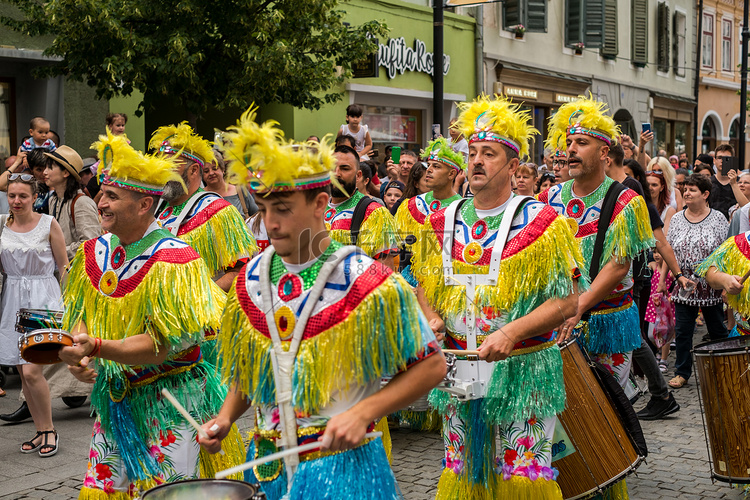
x=520 y=92
x=397 y=58
x=565 y=98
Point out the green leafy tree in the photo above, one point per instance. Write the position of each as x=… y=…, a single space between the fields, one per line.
x=202 y=54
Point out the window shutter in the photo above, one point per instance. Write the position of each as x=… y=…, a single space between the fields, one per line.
x=639 y=32
x=536 y=16
x=574 y=22
x=609 y=47
x=662 y=21
x=678 y=43
x=511 y=14
x=594 y=23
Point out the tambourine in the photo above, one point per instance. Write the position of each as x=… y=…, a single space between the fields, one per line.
x=42 y=347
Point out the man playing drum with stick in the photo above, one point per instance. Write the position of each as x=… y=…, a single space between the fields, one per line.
x=310 y=328
x=138 y=301
x=610 y=329
x=501 y=271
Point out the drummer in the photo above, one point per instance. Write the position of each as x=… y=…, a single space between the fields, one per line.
x=535 y=291
x=364 y=324
x=136 y=336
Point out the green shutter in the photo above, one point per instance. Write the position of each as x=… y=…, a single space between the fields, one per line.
x=609 y=47
x=662 y=22
x=512 y=14
x=536 y=16
x=574 y=20
x=594 y=23
x=639 y=36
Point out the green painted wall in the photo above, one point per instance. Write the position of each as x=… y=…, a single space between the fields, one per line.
x=84 y=117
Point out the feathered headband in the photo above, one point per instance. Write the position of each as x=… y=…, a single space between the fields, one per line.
x=584 y=116
x=182 y=141
x=440 y=150
x=122 y=166
x=496 y=119
x=259 y=155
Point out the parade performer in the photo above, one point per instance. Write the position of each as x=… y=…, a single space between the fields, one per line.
x=310 y=328
x=560 y=166
x=204 y=220
x=138 y=301
x=612 y=330
x=527 y=286
x=377 y=234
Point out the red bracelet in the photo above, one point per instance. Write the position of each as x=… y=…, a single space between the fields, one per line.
x=97 y=347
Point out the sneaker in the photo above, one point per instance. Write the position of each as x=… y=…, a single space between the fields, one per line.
x=658 y=408
x=672 y=346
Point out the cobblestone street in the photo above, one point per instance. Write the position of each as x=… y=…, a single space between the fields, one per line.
x=677 y=465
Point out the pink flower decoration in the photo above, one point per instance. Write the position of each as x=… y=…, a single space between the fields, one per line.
x=154 y=451
x=457 y=466
x=453 y=436
x=89 y=482
x=275 y=416
x=507 y=472
x=527 y=442
x=97 y=427
x=109 y=487
x=93 y=454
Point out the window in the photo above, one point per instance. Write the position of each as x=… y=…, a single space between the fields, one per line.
x=584 y=23
x=532 y=14
x=726 y=45
x=609 y=47
x=734 y=134
x=707 y=50
x=708 y=131
x=7 y=119
x=662 y=28
x=679 y=25
x=639 y=36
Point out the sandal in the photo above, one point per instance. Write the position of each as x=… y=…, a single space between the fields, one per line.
x=52 y=447
x=677 y=382
x=32 y=447
x=2 y=392
x=663 y=365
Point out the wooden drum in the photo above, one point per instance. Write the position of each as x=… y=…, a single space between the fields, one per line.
x=722 y=368
x=602 y=450
x=42 y=347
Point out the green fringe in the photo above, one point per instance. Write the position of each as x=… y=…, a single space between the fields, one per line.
x=729 y=259
x=427 y=421
x=222 y=240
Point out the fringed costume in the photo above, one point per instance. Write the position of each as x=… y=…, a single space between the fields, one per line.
x=306 y=343
x=161 y=287
x=525 y=391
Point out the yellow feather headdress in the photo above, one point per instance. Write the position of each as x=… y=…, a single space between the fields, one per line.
x=440 y=150
x=182 y=141
x=124 y=167
x=259 y=155
x=585 y=116
x=496 y=119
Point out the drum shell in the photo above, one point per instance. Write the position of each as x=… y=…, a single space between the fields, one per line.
x=604 y=451
x=724 y=379
x=29 y=320
x=42 y=347
x=205 y=489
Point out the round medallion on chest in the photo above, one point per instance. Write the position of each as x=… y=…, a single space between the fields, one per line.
x=166 y=213
x=118 y=257
x=435 y=205
x=479 y=229
x=575 y=208
x=290 y=287
x=329 y=214
x=108 y=282
x=285 y=321
x=472 y=252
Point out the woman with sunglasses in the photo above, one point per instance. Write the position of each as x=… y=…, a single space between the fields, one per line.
x=31 y=245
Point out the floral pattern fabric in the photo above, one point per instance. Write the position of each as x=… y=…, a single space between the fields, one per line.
x=176 y=451
x=617 y=364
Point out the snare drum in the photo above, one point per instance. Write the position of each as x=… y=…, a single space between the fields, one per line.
x=466 y=379
x=28 y=320
x=722 y=368
x=205 y=489
x=42 y=346
x=602 y=450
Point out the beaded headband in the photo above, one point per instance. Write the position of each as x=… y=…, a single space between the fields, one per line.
x=166 y=148
x=435 y=156
x=484 y=135
x=559 y=153
x=299 y=184
x=597 y=134
x=139 y=187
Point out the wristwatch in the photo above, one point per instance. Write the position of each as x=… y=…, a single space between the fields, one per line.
x=679 y=275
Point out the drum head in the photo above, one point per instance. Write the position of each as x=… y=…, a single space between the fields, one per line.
x=202 y=489
x=37 y=347
x=724 y=345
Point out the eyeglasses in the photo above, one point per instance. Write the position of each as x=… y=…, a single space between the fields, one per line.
x=23 y=177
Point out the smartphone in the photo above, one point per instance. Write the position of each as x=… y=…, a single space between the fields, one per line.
x=646 y=127
x=728 y=163
x=396 y=154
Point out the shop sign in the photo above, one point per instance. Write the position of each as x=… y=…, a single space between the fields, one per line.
x=520 y=92
x=397 y=58
x=563 y=98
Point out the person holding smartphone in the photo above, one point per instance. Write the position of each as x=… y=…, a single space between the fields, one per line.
x=725 y=192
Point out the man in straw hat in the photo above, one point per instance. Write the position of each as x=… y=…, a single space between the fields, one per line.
x=503 y=278
x=138 y=301
x=310 y=328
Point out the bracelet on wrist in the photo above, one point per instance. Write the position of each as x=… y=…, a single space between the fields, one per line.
x=97 y=347
x=679 y=275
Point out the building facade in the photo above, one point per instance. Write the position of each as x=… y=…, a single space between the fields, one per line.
x=718 y=98
x=635 y=55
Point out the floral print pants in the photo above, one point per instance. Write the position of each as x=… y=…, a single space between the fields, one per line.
x=177 y=452
x=617 y=364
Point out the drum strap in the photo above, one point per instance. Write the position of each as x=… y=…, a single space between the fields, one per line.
x=283 y=360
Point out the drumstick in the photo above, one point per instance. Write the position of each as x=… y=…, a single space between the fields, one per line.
x=278 y=455
x=181 y=409
x=745 y=277
x=459 y=352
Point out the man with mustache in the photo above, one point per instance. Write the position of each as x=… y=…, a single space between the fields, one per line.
x=504 y=277
x=204 y=220
x=377 y=234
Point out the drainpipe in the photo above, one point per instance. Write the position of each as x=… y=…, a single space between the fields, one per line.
x=479 y=48
x=696 y=87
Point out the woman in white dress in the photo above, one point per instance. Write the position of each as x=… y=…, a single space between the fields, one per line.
x=30 y=246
